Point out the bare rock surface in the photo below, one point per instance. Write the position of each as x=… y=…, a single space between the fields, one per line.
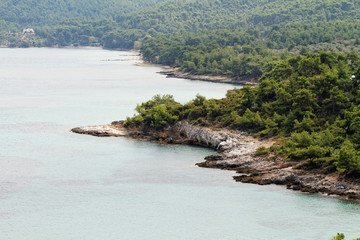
x=107 y=130
x=237 y=152
x=176 y=73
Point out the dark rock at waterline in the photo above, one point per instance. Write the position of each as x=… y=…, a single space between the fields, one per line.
x=214 y=158
x=237 y=152
x=176 y=73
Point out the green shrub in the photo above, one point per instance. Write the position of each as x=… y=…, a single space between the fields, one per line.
x=262 y=151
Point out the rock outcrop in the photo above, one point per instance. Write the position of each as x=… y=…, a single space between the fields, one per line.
x=107 y=130
x=237 y=152
x=176 y=73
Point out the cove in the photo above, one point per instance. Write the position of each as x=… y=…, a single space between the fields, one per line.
x=58 y=185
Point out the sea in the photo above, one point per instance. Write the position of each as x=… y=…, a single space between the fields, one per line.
x=57 y=185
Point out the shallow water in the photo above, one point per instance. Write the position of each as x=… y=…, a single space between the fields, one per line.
x=58 y=185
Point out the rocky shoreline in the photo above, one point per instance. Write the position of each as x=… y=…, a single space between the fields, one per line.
x=236 y=152
x=176 y=73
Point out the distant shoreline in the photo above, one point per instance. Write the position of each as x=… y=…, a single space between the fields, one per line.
x=76 y=47
x=171 y=72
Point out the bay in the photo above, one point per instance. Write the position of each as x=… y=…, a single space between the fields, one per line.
x=58 y=185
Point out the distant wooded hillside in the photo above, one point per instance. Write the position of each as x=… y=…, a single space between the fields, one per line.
x=274 y=24
x=33 y=13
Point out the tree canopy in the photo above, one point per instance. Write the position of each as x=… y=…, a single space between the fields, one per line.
x=119 y=23
x=311 y=102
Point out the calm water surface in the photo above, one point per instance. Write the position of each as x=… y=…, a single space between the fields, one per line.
x=59 y=185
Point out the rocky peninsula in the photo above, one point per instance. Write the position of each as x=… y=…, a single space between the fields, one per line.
x=237 y=152
x=176 y=73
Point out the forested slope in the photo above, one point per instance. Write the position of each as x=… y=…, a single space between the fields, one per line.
x=245 y=53
x=166 y=17
x=195 y=15
x=309 y=103
x=32 y=13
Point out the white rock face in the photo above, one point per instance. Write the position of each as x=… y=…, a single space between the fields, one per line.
x=101 y=130
x=201 y=135
x=233 y=144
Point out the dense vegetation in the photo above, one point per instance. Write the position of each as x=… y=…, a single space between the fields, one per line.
x=341 y=236
x=178 y=15
x=259 y=33
x=248 y=53
x=310 y=102
x=90 y=33
x=195 y=15
x=121 y=23
x=220 y=52
x=32 y=13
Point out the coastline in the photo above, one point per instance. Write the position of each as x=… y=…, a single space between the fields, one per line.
x=171 y=72
x=236 y=152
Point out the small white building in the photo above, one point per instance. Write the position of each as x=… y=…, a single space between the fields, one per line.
x=28 y=32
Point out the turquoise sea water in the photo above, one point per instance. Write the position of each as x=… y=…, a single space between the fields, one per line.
x=58 y=185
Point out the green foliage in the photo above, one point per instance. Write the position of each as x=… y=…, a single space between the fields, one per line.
x=220 y=52
x=261 y=151
x=341 y=236
x=245 y=52
x=192 y=15
x=312 y=101
x=156 y=113
x=249 y=120
x=253 y=27
x=45 y=13
x=348 y=157
x=162 y=117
